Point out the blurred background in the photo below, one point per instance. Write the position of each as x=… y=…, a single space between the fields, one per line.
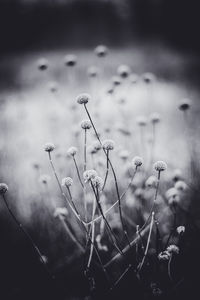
x=157 y=36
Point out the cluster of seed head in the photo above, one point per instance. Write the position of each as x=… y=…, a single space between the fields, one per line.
x=101 y=50
x=42 y=64
x=70 y=60
x=124 y=71
x=93 y=71
x=83 y=98
x=89 y=175
x=180 y=229
x=151 y=181
x=67 y=181
x=160 y=166
x=137 y=161
x=97 y=182
x=72 y=151
x=86 y=124
x=173 y=249
x=49 y=147
x=108 y=145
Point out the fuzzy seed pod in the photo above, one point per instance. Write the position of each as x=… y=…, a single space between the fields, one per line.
x=60 y=212
x=83 y=98
x=72 y=151
x=173 y=249
x=108 y=145
x=49 y=147
x=137 y=161
x=101 y=51
x=86 y=124
x=67 y=182
x=89 y=175
x=3 y=188
x=160 y=166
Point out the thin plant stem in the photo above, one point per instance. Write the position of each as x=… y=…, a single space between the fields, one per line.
x=107 y=169
x=169 y=268
x=92 y=235
x=121 y=277
x=127 y=188
x=148 y=243
x=23 y=230
x=78 y=173
x=85 y=150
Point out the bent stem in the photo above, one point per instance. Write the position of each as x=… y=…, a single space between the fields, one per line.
x=169 y=268
x=23 y=230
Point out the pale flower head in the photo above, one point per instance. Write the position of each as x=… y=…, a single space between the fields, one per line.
x=173 y=249
x=3 y=188
x=108 y=145
x=67 y=181
x=83 y=98
x=185 y=104
x=60 y=212
x=42 y=64
x=53 y=86
x=70 y=60
x=141 y=120
x=180 y=229
x=101 y=51
x=137 y=161
x=124 y=154
x=160 y=166
x=172 y=196
x=98 y=182
x=72 y=151
x=155 y=118
x=86 y=124
x=151 y=182
x=89 y=175
x=93 y=71
x=164 y=256
x=180 y=185
x=49 y=147
x=148 y=77
x=124 y=71
x=133 y=78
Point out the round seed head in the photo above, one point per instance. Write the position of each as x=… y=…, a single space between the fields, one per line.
x=155 y=118
x=3 y=188
x=124 y=71
x=180 y=185
x=44 y=179
x=172 y=196
x=180 y=229
x=163 y=256
x=86 y=124
x=70 y=60
x=177 y=175
x=173 y=249
x=137 y=161
x=60 y=212
x=49 y=147
x=108 y=145
x=160 y=166
x=101 y=51
x=116 y=80
x=151 y=181
x=93 y=71
x=141 y=120
x=53 y=86
x=148 y=77
x=97 y=145
x=89 y=175
x=42 y=64
x=72 y=151
x=83 y=98
x=67 y=182
x=185 y=104
x=98 y=182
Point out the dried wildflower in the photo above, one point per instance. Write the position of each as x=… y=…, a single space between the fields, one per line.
x=185 y=104
x=72 y=151
x=173 y=249
x=151 y=181
x=155 y=118
x=124 y=154
x=180 y=185
x=42 y=64
x=49 y=147
x=116 y=80
x=163 y=256
x=60 y=211
x=93 y=71
x=67 y=181
x=3 y=188
x=123 y=71
x=86 y=124
x=172 y=195
x=44 y=178
x=101 y=50
x=89 y=175
x=157 y=292
x=137 y=161
x=98 y=182
x=180 y=229
x=83 y=98
x=108 y=145
x=70 y=60
x=160 y=166
x=97 y=145
x=148 y=77
x=53 y=86
x=141 y=120
x=177 y=175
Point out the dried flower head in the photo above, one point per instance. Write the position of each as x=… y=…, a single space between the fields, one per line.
x=53 y=86
x=116 y=80
x=89 y=175
x=70 y=60
x=148 y=77
x=141 y=120
x=72 y=151
x=101 y=50
x=124 y=71
x=173 y=249
x=3 y=188
x=49 y=147
x=155 y=118
x=124 y=154
x=108 y=145
x=163 y=256
x=93 y=71
x=177 y=175
x=42 y=64
x=60 y=212
x=44 y=178
x=151 y=181
x=86 y=124
x=83 y=98
x=172 y=196
x=137 y=161
x=180 y=229
x=185 y=104
x=180 y=185
x=67 y=181
x=160 y=166
x=98 y=182
x=97 y=145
